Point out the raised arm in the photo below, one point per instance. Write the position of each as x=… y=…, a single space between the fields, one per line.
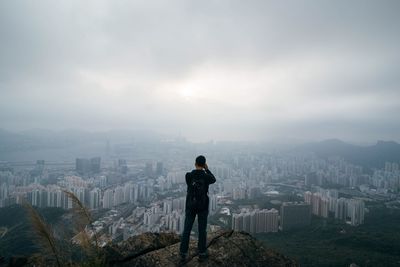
x=210 y=176
x=187 y=178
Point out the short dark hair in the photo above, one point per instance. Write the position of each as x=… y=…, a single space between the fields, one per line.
x=201 y=160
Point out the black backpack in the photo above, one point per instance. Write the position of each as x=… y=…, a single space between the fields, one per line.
x=198 y=194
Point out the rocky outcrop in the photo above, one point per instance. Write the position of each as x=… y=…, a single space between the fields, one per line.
x=226 y=248
x=132 y=249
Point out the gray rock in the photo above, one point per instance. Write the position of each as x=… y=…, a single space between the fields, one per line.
x=226 y=248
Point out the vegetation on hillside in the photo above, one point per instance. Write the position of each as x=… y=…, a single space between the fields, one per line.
x=331 y=243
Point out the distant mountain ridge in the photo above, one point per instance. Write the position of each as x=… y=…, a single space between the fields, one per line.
x=373 y=156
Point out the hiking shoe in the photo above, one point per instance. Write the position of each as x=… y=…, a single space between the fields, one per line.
x=203 y=257
x=182 y=260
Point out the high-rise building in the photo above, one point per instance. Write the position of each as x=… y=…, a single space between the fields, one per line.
x=122 y=166
x=95 y=164
x=108 y=199
x=356 y=208
x=341 y=209
x=267 y=221
x=37 y=172
x=272 y=220
x=167 y=206
x=256 y=221
x=82 y=166
x=237 y=221
x=311 y=179
x=130 y=194
x=148 y=169
x=295 y=215
x=94 y=198
x=175 y=221
x=325 y=202
x=86 y=166
x=316 y=203
x=159 y=168
x=254 y=192
x=246 y=221
x=108 y=148
x=308 y=197
x=324 y=211
x=118 y=195
x=213 y=204
x=4 y=191
x=40 y=164
x=239 y=193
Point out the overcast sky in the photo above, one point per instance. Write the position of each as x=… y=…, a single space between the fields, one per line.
x=221 y=70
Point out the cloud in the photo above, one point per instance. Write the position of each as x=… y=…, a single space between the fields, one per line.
x=225 y=70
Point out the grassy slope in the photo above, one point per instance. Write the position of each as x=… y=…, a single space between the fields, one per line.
x=19 y=239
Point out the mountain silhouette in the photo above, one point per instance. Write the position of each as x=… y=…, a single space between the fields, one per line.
x=373 y=156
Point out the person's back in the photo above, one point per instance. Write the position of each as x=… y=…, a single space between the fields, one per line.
x=197 y=203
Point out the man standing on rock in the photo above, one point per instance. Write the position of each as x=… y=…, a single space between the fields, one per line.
x=197 y=204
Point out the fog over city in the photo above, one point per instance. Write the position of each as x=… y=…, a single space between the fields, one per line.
x=215 y=70
x=200 y=133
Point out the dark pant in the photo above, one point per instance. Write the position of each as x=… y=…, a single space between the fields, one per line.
x=190 y=215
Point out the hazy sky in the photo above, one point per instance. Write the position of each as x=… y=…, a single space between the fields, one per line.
x=222 y=70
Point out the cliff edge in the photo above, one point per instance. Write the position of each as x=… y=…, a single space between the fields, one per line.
x=226 y=248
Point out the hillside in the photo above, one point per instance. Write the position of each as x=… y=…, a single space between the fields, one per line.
x=16 y=235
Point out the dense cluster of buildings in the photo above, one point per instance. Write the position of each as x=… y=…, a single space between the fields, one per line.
x=387 y=178
x=128 y=193
x=53 y=195
x=167 y=215
x=156 y=192
x=256 y=221
x=327 y=204
x=170 y=214
x=338 y=172
x=94 y=192
x=292 y=215
x=87 y=166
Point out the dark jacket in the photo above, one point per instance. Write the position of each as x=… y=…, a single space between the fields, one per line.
x=206 y=175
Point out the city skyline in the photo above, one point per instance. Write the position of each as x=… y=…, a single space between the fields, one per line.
x=138 y=189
